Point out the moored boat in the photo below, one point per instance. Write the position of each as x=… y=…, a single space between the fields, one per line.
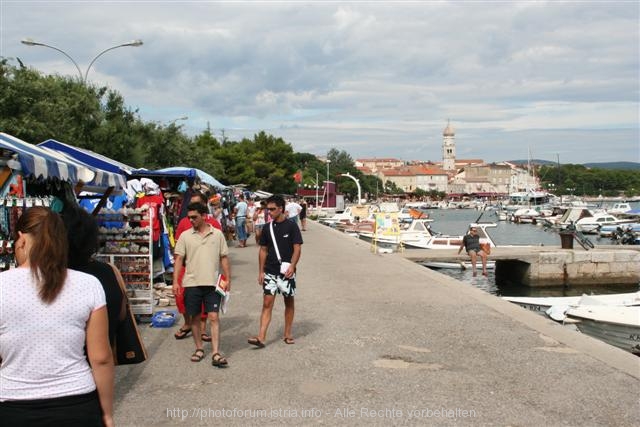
x=542 y=304
x=615 y=325
x=462 y=265
x=593 y=223
x=443 y=241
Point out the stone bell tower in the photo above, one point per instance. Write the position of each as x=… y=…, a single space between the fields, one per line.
x=449 y=148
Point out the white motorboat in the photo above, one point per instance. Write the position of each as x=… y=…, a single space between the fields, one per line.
x=350 y=215
x=593 y=223
x=525 y=216
x=442 y=241
x=543 y=304
x=462 y=265
x=415 y=232
x=620 y=208
x=615 y=325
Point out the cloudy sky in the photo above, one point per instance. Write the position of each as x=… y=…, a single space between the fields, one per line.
x=376 y=79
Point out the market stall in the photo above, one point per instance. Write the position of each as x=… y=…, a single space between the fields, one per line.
x=126 y=238
x=33 y=176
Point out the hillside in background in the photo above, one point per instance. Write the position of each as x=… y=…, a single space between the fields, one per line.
x=615 y=165
x=607 y=165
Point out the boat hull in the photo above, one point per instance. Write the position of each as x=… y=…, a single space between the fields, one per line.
x=618 y=326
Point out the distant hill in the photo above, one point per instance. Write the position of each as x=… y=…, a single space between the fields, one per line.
x=615 y=165
x=607 y=165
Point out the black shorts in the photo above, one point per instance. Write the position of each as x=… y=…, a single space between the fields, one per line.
x=197 y=297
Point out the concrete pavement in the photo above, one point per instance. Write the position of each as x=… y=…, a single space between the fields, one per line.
x=380 y=341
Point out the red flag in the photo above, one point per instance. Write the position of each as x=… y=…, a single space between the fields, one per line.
x=297 y=177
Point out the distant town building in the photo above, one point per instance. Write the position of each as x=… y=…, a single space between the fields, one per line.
x=373 y=166
x=452 y=176
x=410 y=178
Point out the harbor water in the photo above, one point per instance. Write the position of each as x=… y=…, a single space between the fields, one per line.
x=456 y=221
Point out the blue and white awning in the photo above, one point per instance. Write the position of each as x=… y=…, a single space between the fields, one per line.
x=189 y=173
x=109 y=172
x=38 y=161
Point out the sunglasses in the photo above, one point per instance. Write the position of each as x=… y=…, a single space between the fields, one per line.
x=272 y=209
x=193 y=217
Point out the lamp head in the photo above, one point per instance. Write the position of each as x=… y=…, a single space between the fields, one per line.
x=29 y=42
x=134 y=43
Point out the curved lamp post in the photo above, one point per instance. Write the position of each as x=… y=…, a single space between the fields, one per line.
x=83 y=77
x=173 y=122
x=348 y=175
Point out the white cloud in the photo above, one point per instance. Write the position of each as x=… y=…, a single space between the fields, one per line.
x=370 y=78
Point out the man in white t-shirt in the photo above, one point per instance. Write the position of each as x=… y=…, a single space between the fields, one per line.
x=292 y=211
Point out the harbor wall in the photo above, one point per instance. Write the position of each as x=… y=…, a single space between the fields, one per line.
x=573 y=267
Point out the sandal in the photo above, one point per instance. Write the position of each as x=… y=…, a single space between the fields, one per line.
x=198 y=355
x=220 y=361
x=288 y=340
x=182 y=334
x=255 y=341
x=205 y=337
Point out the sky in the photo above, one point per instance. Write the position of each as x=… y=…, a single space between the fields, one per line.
x=552 y=80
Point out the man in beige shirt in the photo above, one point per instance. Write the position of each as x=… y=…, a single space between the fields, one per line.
x=205 y=250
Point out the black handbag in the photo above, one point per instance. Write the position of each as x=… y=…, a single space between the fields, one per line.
x=128 y=348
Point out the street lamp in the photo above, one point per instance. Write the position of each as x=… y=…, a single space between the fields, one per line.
x=172 y=122
x=348 y=175
x=83 y=77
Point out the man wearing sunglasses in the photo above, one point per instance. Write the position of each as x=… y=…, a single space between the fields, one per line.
x=280 y=248
x=471 y=243
x=206 y=252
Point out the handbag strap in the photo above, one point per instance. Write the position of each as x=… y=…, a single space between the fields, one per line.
x=275 y=244
x=123 y=288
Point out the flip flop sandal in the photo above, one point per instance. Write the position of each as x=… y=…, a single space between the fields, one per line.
x=205 y=337
x=255 y=341
x=220 y=362
x=198 y=355
x=289 y=341
x=182 y=334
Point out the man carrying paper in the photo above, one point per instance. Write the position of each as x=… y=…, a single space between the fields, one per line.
x=205 y=249
x=280 y=248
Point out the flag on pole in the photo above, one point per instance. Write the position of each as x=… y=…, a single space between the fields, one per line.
x=297 y=177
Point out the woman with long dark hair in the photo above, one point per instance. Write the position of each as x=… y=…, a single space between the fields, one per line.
x=47 y=315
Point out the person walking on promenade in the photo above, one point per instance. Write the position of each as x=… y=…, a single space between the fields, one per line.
x=49 y=315
x=292 y=212
x=280 y=249
x=82 y=236
x=184 y=225
x=471 y=243
x=240 y=214
x=260 y=219
x=251 y=210
x=303 y=215
x=205 y=250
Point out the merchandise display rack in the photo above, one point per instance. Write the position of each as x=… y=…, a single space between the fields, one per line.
x=11 y=209
x=127 y=242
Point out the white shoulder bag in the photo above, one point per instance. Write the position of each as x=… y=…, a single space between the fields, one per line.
x=284 y=266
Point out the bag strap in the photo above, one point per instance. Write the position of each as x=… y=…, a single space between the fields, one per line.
x=123 y=288
x=275 y=244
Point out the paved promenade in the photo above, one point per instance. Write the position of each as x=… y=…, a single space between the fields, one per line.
x=380 y=341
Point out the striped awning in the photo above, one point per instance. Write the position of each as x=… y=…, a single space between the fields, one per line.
x=109 y=172
x=38 y=161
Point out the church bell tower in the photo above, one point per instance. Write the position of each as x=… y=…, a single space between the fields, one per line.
x=449 y=148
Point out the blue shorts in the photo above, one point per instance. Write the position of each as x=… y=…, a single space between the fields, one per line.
x=197 y=297
x=274 y=284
